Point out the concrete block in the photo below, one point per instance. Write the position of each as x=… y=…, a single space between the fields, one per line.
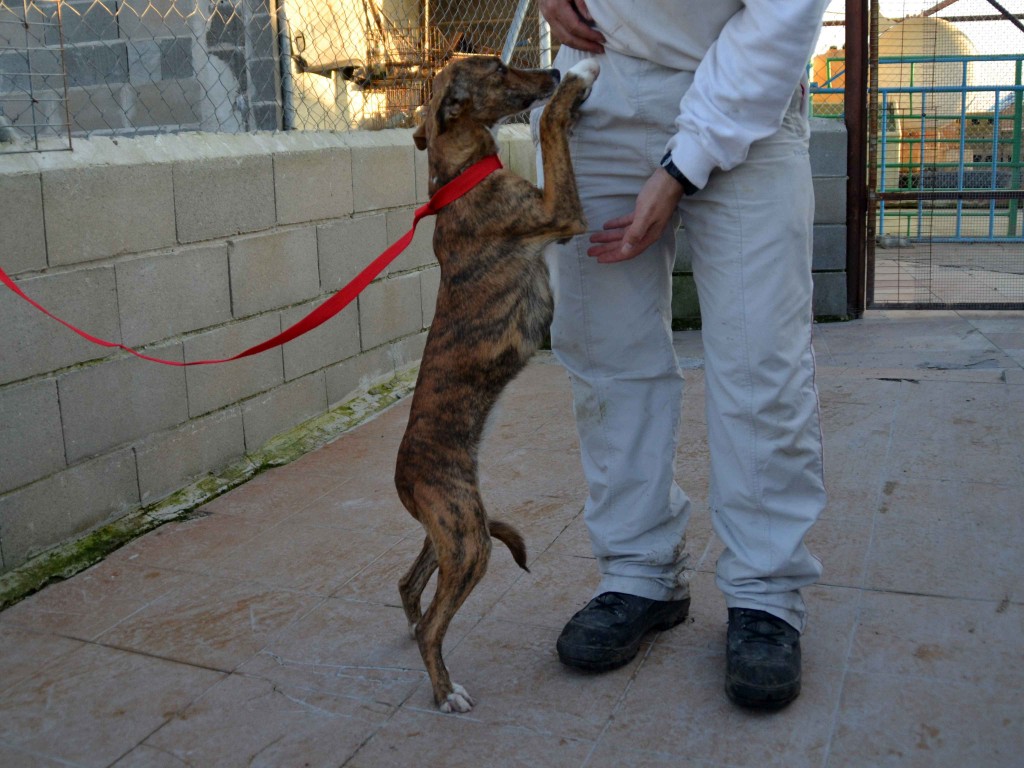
x=273 y=270
x=21 y=227
x=220 y=197
x=170 y=460
x=30 y=433
x=684 y=253
x=32 y=343
x=390 y=309
x=313 y=185
x=226 y=26
x=347 y=246
x=283 y=408
x=264 y=77
x=144 y=62
x=47 y=70
x=102 y=63
x=173 y=293
x=102 y=211
x=211 y=387
x=148 y=19
x=522 y=156
x=420 y=252
x=176 y=58
x=830 y=294
x=830 y=247
x=265 y=116
x=118 y=401
x=383 y=177
x=685 y=305
x=96 y=108
x=829 y=200
x=357 y=374
x=828 y=147
x=82 y=21
x=430 y=281
x=335 y=340
x=261 y=32
x=168 y=102
x=67 y=504
x=408 y=350
x=14 y=33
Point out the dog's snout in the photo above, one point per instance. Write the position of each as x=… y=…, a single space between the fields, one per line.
x=555 y=74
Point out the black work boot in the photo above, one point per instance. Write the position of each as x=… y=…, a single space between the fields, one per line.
x=762 y=660
x=606 y=634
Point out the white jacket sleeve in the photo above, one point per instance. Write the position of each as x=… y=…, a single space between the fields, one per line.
x=744 y=84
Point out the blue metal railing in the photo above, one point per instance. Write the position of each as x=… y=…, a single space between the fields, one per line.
x=970 y=194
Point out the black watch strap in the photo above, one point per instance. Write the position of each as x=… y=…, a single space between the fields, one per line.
x=689 y=188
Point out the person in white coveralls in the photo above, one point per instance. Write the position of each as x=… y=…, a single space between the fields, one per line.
x=699 y=117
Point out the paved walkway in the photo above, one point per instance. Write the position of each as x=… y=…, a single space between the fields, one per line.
x=266 y=629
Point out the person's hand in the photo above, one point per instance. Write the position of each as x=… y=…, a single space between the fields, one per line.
x=628 y=236
x=571 y=23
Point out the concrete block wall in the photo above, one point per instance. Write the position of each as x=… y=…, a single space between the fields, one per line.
x=828 y=167
x=193 y=246
x=140 y=66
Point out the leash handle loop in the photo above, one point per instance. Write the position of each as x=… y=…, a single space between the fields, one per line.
x=446 y=195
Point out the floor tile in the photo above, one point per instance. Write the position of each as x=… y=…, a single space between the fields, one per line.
x=210 y=622
x=364 y=504
x=93 y=601
x=890 y=720
x=678 y=692
x=18 y=758
x=196 y=544
x=958 y=539
x=965 y=641
x=249 y=722
x=274 y=495
x=95 y=704
x=559 y=584
x=513 y=672
x=434 y=739
x=378 y=581
x=24 y=652
x=305 y=558
x=610 y=755
x=353 y=649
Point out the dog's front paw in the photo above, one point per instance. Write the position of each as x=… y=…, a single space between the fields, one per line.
x=587 y=70
x=579 y=80
x=458 y=700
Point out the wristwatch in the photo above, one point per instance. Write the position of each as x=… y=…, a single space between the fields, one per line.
x=688 y=186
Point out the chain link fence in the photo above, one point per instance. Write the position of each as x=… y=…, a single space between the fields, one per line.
x=134 y=67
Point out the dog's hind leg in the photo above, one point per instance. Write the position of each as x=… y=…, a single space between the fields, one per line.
x=462 y=546
x=415 y=581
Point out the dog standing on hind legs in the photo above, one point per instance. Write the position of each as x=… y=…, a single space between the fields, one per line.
x=493 y=309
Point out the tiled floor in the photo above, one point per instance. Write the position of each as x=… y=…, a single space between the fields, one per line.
x=266 y=630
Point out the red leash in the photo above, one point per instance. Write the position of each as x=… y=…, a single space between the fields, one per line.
x=450 y=192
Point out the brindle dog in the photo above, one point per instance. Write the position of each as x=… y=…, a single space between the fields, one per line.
x=493 y=309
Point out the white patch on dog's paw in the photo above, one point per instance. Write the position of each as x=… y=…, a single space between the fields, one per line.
x=587 y=70
x=412 y=631
x=458 y=700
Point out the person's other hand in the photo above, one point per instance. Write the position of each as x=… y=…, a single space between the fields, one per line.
x=572 y=23
x=628 y=236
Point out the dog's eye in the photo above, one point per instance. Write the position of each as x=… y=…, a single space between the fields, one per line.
x=500 y=68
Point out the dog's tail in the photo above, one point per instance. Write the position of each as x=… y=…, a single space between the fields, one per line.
x=508 y=535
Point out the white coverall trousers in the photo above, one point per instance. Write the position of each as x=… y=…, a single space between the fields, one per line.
x=750 y=232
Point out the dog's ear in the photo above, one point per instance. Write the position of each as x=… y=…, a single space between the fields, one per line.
x=450 y=107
